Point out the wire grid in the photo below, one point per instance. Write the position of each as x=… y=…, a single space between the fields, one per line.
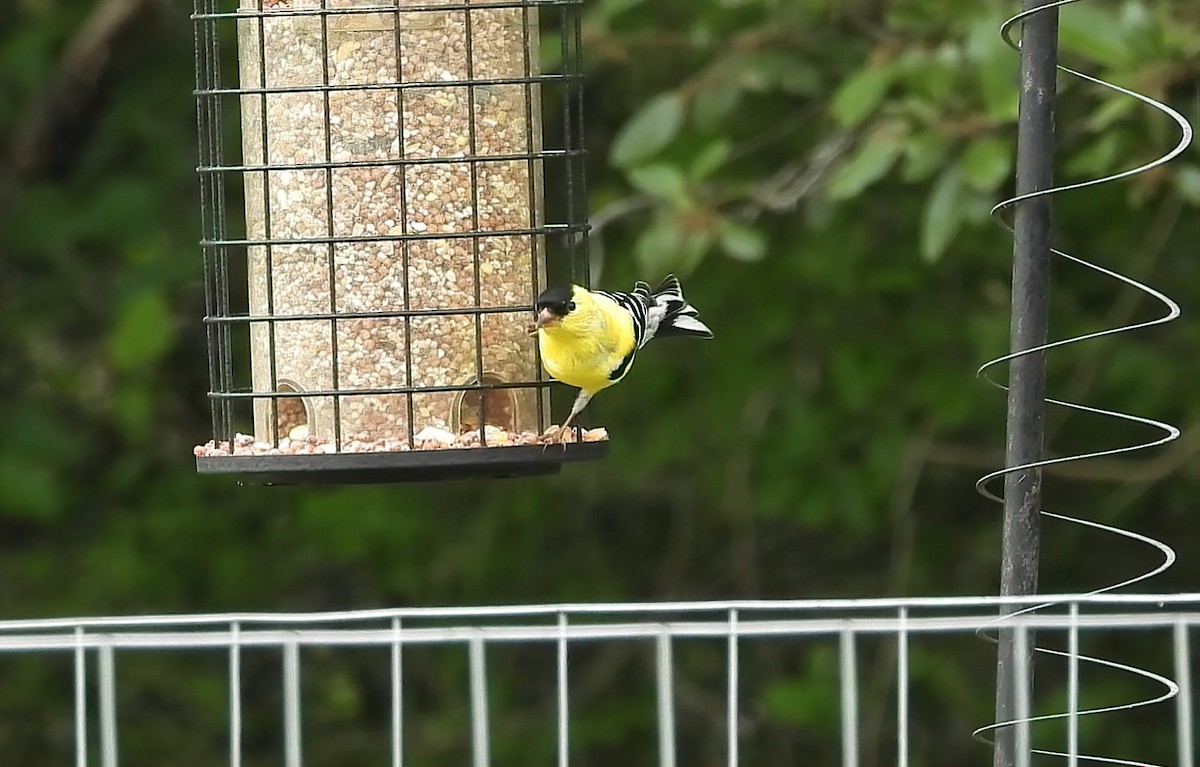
x=95 y=644
x=553 y=158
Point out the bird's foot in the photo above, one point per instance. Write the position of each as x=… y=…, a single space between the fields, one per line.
x=558 y=435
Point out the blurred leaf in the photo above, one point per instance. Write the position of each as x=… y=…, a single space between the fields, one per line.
x=658 y=246
x=933 y=79
x=1187 y=181
x=873 y=158
x=142 y=332
x=1111 y=111
x=649 y=130
x=924 y=154
x=771 y=69
x=858 y=96
x=1096 y=159
x=715 y=103
x=672 y=243
x=943 y=215
x=742 y=242
x=661 y=180
x=800 y=79
x=708 y=160
x=696 y=243
x=986 y=162
x=995 y=68
x=1096 y=34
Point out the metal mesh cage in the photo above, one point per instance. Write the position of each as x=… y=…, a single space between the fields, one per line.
x=411 y=176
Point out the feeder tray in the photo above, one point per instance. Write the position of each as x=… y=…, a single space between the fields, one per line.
x=404 y=204
x=409 y=466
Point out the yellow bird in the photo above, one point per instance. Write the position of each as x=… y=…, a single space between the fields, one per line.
x=588 y=339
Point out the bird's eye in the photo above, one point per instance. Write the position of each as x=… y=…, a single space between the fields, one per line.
x=570 y=306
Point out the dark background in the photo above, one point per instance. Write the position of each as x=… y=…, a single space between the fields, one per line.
x=818 y=172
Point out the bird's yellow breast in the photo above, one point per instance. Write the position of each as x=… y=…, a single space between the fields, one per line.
x=584 y=350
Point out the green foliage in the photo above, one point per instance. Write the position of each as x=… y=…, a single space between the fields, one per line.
x=648 y=131
x=943 y=214
x=741 y=241
x=811 y=699
x=860 y=94
x=986 y=162
x=663 y=181
x=871 y=162
x=141 y=333
x=821 y=172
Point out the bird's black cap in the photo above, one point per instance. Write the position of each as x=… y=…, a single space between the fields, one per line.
x=555 y=299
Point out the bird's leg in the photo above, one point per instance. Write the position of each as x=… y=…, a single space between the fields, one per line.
x=580 y=403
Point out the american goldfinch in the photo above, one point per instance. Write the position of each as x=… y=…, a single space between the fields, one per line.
x=588 y=339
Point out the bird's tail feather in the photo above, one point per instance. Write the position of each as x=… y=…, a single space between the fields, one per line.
x=680 y=318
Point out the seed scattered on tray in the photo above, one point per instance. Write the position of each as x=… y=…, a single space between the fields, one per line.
x=430 y=438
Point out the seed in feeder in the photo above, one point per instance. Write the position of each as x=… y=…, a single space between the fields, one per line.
x=434 y=434
x=351 y=124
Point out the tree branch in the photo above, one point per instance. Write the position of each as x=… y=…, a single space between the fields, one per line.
x=56 y=128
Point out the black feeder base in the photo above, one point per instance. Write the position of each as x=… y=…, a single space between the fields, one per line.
x=407 y=466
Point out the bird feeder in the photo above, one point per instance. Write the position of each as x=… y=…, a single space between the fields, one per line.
x=409 y=180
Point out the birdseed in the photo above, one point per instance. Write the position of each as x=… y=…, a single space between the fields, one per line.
x=430 y=438
x=449 y=194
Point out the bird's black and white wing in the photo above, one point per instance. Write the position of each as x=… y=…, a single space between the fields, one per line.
x=672 y=315
x=663 y=312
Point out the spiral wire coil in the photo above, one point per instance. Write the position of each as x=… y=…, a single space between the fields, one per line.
x=1168 y=432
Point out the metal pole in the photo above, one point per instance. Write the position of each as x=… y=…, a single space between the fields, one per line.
x=1027 y=374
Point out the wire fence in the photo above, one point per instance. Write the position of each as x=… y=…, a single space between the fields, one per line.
x=738 y=631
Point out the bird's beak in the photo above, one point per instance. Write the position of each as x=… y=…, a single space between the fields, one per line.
x=546 y=318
